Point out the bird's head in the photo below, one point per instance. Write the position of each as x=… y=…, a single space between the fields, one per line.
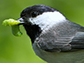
x=36 y=18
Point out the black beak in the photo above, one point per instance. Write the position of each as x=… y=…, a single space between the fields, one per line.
x=21 y=21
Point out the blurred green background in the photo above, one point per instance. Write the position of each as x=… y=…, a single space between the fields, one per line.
x=19 y=49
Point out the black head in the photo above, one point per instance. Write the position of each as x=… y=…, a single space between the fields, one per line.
x=34 y=30
x=36 y=10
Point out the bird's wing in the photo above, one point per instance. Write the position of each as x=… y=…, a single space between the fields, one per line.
x=78 y=41
x=62 y=37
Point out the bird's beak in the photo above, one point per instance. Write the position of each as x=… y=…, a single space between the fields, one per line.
x=21 y=21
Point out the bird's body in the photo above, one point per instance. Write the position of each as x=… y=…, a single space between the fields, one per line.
x=60 y=48
x=54 y=38
x=60 y=57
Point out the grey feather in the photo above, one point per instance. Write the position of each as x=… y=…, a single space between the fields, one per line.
x=61 y=37
x=78 y=41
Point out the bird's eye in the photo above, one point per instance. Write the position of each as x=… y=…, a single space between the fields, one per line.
x=34 y=14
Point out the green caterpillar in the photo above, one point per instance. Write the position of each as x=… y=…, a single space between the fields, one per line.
x=14 y=25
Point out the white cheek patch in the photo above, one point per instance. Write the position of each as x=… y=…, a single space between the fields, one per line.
x=47 y=18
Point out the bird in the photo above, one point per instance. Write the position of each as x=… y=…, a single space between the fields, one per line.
x=54 y=38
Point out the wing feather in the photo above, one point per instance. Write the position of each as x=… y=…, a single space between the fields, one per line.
x=62 y=37
x=78 y=41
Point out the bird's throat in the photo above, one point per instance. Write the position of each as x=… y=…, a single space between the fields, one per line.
x=33 y=31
